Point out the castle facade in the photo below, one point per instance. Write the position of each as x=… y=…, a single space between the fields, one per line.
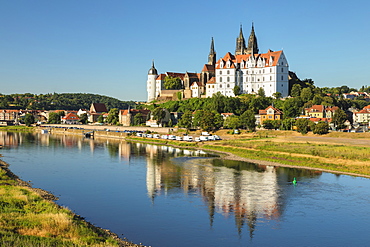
x=244 y=72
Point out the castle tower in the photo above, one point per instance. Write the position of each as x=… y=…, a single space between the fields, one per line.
x=212 y=54
x=252 y=43
x=240 y=43
x=151 y=88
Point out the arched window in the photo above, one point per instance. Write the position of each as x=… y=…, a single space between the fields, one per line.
x=228 y=79
x=228 y=72
x=220 y=79
x=220 y=72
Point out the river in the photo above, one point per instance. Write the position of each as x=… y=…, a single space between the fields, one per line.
x=163 y=196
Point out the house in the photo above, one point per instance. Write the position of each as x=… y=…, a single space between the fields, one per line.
x=270 y=113
x=70 y=118
x=362 y=116
x=96 y=110
x=320 y=111
x=9 y=117
x=226 y=115
x=127 y=117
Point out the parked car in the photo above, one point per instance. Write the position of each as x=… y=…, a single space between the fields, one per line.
x=149 y=135
x=164 y=137
x=178 y=138
x=197 y=139
x=156 y=136
x=203 y=138
x=188 y=138
x=172 y=137
x=139 y=134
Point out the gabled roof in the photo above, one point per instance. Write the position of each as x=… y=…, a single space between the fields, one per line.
x=71 y=116
x=273 y=55
x=276 y=111
x=134 y=112
x=316 y=108
x=208 y=67
x=98 y=108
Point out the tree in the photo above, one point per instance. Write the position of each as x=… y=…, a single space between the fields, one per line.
x=321 y=128
x=292 y=107
x=277 y=95
x=29 y=119
x=339 y=118
x=232 y=122
x=101 y=119
x=306 y=94
x=248 y=120
x=296 y=90
x=54 y=118
x=159 y=114
x=138 y=119
x=84 y=118
x=112 y=117
x=261 y=92
x=236 y=90
x=268 y=124
x=302 y=125
x=186 y=120
x=172 y=82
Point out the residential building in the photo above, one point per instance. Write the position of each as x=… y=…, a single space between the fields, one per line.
x=126 y=117
x=270 y=113
x=70 y=118
x=362 y=116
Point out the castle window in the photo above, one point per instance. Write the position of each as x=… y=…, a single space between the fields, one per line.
x=228 y=72
x=228 y=85
x=270 y=78
x=228 y=79
x=220 y=79
x=220 y=72
x=270 y=70
x=282 y=77
x=263 y=78
x=282 y=69
x=220 y=85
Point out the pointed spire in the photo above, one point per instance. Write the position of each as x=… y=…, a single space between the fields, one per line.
x=212 y=54
x=240 y=43
x=252 y=42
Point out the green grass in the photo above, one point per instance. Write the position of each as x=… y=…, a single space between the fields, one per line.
x=319 y=150
x=26 y=219
x=269 y=155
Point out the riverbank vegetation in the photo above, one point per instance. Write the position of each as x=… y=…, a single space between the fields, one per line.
x=27 y=219
x=282 y=148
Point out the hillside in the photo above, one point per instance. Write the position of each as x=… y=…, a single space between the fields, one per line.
x=59 y=101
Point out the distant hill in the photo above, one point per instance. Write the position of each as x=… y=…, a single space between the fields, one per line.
x=60 y=101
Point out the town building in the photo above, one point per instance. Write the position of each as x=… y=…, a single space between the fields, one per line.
x=270 y=113
x=245 y=72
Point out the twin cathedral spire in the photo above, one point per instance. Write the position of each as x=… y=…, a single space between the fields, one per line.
x=252 y=47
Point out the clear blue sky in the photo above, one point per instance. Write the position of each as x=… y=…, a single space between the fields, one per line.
x=107 y=46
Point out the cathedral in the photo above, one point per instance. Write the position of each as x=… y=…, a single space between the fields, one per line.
x=244 y=72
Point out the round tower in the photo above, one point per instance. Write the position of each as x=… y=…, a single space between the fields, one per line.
x=152 y=76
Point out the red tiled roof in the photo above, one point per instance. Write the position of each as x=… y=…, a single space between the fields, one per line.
x=173 y=74
x=71 y=116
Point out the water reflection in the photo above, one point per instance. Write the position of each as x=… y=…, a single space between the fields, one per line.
x=248 y=194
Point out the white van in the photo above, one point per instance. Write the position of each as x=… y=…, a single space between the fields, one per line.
x=203 y=138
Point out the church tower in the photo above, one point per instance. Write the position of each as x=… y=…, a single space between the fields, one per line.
x=240 y=43
x=151 y=87
x=212 y=54
x=252 y=43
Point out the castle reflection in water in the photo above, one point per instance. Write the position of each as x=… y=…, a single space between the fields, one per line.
x=248 y=192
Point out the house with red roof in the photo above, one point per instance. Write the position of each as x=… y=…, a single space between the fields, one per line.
x=362 y=116
x=270 y=113
x=70 y=118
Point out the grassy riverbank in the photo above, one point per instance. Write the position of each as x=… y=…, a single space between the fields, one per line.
x=29 y=218
x=337 y=153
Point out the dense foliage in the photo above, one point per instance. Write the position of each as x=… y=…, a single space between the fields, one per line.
x=62 y=101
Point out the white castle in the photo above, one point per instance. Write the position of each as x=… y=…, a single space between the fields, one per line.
x=246 y=71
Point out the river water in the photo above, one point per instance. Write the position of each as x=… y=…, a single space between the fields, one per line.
x=164 y=196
